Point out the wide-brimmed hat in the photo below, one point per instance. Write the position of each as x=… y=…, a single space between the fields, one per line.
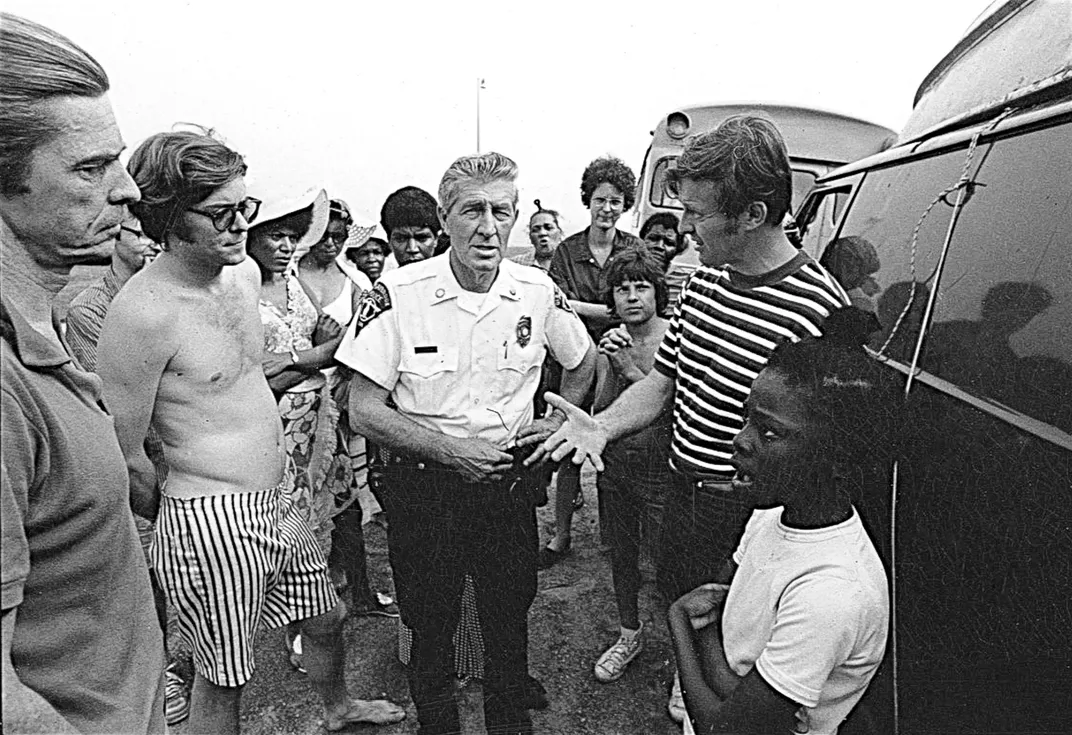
x=276 y=204
x=361 y=228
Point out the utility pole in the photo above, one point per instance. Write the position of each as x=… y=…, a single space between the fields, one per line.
x=479 y=86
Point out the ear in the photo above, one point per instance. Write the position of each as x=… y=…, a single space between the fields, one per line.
x=442 y=220
x=753 y=216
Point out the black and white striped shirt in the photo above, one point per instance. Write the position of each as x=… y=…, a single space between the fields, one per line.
x=722 y=333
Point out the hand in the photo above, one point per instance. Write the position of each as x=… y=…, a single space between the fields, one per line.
x=703 y=605
x=326 y=330
x=478 y=460
x=275 y=363
x=615 y=339
x=540 y=429
x=580 y=434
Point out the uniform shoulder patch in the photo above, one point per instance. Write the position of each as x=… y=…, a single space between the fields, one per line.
x=561 y=302
x=373 y=303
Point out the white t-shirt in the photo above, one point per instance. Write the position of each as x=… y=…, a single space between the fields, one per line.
x=810 y=610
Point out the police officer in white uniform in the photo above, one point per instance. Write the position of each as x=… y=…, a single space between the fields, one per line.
x=457 y=341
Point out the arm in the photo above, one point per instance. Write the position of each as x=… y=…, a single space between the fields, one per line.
x=25 y=711
x=370 y=416
x=717 y=699
x=586 y=436
x=592 y=312
x=616 y=344
x=134 y=350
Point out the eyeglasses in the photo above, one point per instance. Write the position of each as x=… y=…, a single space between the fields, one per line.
x=600 y=202
x=223 y=218
x=338 y=239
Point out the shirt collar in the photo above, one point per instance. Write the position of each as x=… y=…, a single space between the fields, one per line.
x=447 y=286
x=33 y=348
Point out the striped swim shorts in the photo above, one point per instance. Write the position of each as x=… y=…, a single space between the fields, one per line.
x=229 y=563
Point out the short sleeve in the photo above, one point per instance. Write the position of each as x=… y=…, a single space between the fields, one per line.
x=16 y=475
x=567 y=338
x=666 y=355
x=746 y=538
x=559 y=271
x=814 y=631
x=371 y=344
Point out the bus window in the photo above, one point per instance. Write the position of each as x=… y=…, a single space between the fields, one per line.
x=803 y=181
x=659 y=196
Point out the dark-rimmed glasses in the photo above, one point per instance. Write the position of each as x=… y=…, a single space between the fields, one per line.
x=223 y=218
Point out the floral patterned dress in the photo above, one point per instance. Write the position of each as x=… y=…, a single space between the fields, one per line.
x=311 y=447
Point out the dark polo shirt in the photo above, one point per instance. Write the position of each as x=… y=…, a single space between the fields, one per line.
x=576 y=271
x=86 y=635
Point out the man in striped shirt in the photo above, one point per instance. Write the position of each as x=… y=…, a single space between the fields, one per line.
x=753 y=290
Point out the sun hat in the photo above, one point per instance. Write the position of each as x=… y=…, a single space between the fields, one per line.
x=277 y=203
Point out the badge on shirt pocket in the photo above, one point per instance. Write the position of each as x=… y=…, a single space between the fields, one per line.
x=524 y=331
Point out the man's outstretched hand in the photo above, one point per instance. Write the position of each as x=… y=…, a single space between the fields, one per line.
x=580 y=434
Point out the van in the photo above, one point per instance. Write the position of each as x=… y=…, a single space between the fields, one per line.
x=817 y=141
x=959 y=240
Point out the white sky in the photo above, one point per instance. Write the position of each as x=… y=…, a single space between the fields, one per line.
x=363 y=101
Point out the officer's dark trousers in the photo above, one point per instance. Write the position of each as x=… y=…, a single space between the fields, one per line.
x=440 y=528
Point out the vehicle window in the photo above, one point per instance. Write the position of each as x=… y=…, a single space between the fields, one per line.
x=818 y=217
x=658 y=195
x=872 y=256
x=1001 y=322
x=803 y=181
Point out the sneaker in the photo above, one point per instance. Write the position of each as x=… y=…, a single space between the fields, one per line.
x=611 y=665
x=176 y=700
x=676 y=705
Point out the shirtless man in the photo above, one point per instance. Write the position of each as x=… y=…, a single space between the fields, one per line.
x=182 y=348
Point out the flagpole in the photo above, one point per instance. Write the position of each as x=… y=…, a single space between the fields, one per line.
x=479 y=86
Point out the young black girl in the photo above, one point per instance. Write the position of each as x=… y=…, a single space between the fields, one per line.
x=792 y=642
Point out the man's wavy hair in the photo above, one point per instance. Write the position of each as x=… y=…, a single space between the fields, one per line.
x=636 y=264
x=747 y=159
x=36 y=65
x=480 y=167
x=609 y=170
x=176 y=170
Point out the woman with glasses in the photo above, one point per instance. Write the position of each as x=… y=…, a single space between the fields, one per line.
x=608 y=188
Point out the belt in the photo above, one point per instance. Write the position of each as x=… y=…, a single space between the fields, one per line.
x=708 y=484
x=394 y=459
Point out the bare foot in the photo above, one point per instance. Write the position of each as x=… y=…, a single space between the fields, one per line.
x=373 y=712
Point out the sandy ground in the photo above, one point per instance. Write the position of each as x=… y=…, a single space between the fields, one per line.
x=572 y=621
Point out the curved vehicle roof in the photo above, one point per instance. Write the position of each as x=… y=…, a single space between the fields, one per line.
x=809 y=133
x=1016 y=50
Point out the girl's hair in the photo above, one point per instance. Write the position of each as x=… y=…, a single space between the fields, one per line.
x=636 y=264
x=612 y=171
x=854 y=398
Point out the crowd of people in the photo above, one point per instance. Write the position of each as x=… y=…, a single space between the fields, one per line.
x=202 y=440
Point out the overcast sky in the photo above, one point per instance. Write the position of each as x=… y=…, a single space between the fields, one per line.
x=363 y=101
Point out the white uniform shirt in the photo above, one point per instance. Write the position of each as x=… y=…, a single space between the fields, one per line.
x=455 y=361
x=810 y=610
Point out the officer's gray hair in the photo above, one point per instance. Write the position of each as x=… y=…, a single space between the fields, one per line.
x=36 y=65
x=482 y=167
